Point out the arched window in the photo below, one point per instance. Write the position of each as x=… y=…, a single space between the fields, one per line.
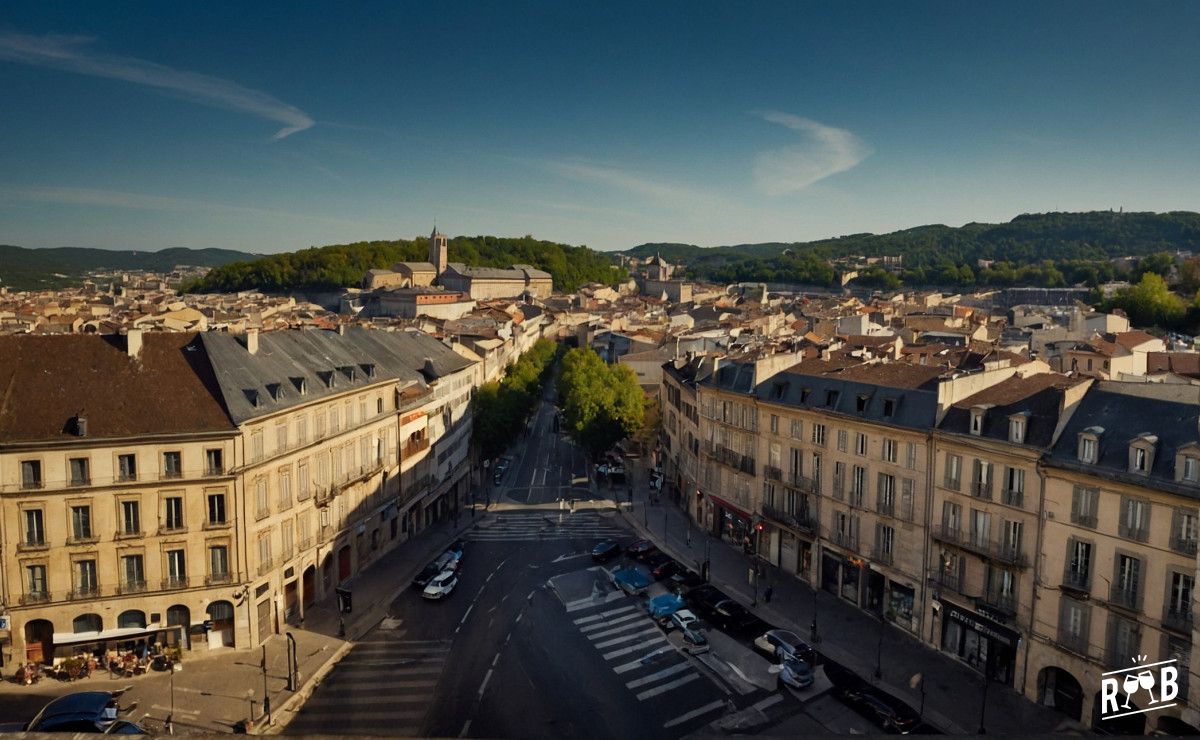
x=220 y=610
x=87 y=623
x=132 y=618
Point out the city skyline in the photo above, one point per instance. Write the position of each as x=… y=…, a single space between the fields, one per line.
x=604 y=125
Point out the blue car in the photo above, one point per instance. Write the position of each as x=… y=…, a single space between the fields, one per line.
x=631 y=579
x=663 y=606
x=605 y=551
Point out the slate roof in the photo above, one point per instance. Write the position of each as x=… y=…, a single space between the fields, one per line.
x=46 y=380
x=1038 y=397
x=1124 y=411
x=272 y=377
x=484 y=273
x=850 y=391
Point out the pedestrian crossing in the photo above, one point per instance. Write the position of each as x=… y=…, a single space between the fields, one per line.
x=546 y=524
x=638 y=651
x=384 y=686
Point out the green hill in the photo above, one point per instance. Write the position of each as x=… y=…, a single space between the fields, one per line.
x=343 y=265
x=1035 y=249
x=29 y=269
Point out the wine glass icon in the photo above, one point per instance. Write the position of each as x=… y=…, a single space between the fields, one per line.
x=1146 y=681
x=1131 y=685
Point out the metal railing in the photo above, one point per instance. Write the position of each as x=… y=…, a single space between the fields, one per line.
x=1014 y=498
x=846 y=539
x=215 y=579
x=795 y=480
x=131 y=587
x=881 y=555
x=1083 y=520
x=796 y=520
x=1080 y=580
x=981 y=489
x=36 y=597
x=1140 y=533
x=1125 y=597
x=83 y=592
x=171 y=583
x=1185 y=545
x=101 y=481
x=1177 y=618
x=999 y=600
x=772 y=473
x=1005 y=552
x=1075 y=643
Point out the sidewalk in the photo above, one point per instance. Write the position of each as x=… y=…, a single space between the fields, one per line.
x=214 y=692
x=849 y=636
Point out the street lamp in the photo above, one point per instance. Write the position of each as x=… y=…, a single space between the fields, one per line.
x=987 y=679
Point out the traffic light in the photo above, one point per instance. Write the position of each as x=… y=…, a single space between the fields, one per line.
x=758 y=527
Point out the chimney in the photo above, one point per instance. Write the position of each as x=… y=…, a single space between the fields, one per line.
x=341 y=330
x=133 y=343
x=252 y=341
x=427 y=368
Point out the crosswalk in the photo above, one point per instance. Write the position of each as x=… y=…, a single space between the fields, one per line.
x=384 y=686
x=536 y=526
x=638 y=651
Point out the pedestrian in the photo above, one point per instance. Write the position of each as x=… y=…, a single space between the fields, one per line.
x=689 y=537
x=767 y=594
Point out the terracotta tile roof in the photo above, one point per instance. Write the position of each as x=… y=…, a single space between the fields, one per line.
x=46 y=380
x=1180 y=363
x=1131 y=339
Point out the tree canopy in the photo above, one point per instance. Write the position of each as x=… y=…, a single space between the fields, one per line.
x=602 y=404
x=502 y=408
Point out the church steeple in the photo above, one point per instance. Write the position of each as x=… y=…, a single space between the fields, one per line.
x=439 y=250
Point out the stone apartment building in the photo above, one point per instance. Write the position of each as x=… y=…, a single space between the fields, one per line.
x=204 y=489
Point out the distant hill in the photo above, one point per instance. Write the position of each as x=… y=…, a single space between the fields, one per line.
x=27 y=269
x=1036 y=249
x=343 y=265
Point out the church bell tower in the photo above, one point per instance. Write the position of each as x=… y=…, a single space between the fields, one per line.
x=439 y=251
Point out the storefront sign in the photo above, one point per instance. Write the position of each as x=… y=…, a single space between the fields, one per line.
x=983 y=626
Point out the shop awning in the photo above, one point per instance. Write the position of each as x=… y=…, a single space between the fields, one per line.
x=726 y=505
x=121 y=633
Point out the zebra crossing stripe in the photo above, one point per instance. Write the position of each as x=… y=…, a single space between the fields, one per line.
x=610 y=623
x=697 y=712
x=626 y=638
x=638 y=621
x=602 y=615
x=632 y=649
x=664 y=673
x=664 y=688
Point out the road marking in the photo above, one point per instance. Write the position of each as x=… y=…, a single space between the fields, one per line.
x=519 y=617
x=191 y=712
x=466 y=614
x=611 y=623
x=648 y=693
x=770 y=701
x=695 y=713
x=486 y=678
x=562 y=558
x=626 y=638
x=347 y=698
x=634 y=648
x=466 y=728
x=602 y=615
x=495 y=660
x=359 y=714
x=677 y=668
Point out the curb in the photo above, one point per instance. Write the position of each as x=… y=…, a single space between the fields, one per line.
x=289 y=709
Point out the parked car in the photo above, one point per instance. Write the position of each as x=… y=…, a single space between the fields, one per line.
x=654 y=559
x=458 y=548
x=441 y=586
x=605 y=551
x=445 y=561
x=796 y=673
x=703 y=595
x=688 y=624
x=891 y=714
x=664 y=605
x=780 y=644
x=665 y=569
x=500 y=469
x=640 y=548
x=685 y=580
x=81 y=712
x=631 y=579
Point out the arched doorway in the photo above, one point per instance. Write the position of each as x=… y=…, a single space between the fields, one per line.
x=1059 y=690
x=1129 y=724
x=39 y=641
x=309 y=586
x=343 y=563
x=220 y=634
x=132 y=618
x=87 y=623
x=179 y=616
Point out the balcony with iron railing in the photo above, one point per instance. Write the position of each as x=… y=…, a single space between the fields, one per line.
x=1185 y=545
x=881 y=554
x=131 y=587
x=981 y=489
x=800 y=482
x=1000 y=551
x=848 y=540
x=1068 y=640
x=999 y=600
x=80 y=593
x=1083 y=520
x=174 y=583
x=772 y=473
x=36 y=597
x=1138 y=533
x=1077 y=580
x=886 y=506
x=216 y=579
x=1014 y=498
x=952 y=581
x=1178 y=618
x=796 y=520
x=1125 y=596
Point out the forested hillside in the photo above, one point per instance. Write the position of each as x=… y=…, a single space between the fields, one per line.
x=343 y=265
x=27 y=269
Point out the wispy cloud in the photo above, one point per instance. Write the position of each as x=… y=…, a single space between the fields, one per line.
x=69 y=53
x=663 y=192
x=826 y=150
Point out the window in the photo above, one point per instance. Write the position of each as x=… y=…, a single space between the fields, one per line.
x=1016 y=430
x=35 y=583
x=80 y=475
x=907 y=485
x=860 y=444
x=1084 y=505
x=831 y=398
x=127 y=467
x=1125 y=640
x=839 y=479
x=910 y=455
x=981 y=527
x=176 y=568
x=216 y=508
x=1074 y=625
x=281 y=436
x=953 y=472
x=1126 y=586
x=951 y=519
x=257 y=451
x=286 y=534
x=81 y=523
x=173 y=513
x=303 y=491
x=818 y=434
x=133 y=572
x=774 y=424
x=335 y=424
x=131 y=517
x=858 y=485
x=218 y=562
x=261 y=506
x=172 y=464
x=981 y=479
x=1140 y=460
x=1087 y=449
x=1079 y=564
x=884 y=542
x=264 y=550
x=35 y=531
x=842 y=437
x=1000 y=587
x=302 y=429
x=1014 y=486
x=1179 y=593
x=85 y=578
x=31 y=474
x=976 y=422
x=1135 y=518
x=885 y=495
x=285 y=489
x=213 y=462
x=889 y=450
x=889 y=407
x=1012 y=540
x=860 y=403
x=1184 y=531
x=797 y=429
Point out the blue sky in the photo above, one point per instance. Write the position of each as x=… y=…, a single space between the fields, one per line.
x=150 y=125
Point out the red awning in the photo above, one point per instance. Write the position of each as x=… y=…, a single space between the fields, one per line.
x=726 y=505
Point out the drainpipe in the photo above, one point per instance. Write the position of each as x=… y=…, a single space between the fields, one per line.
x=930 y=477
x=240 y=483
x=1037 y=569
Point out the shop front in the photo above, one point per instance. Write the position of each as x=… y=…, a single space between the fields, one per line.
x=900 y=606
x=845 y=576
x=980 y=642
x=732 y=524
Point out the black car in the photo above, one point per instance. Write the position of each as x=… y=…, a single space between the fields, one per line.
x=431 y=571
x=891 y=714
x=605 y=551
x=685 y=581
x=81 y=712
x=640 y=549
x=654 y=559
x=665 y=569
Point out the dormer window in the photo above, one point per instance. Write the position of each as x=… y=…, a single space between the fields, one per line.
x=831 y=398
x=252 y=396
x=276 y=391
x=1016 y=429
x=1089 y=444
x=889 y=407
x=301 y=385
x=780 y=389
x=1141 y=454
x=977 y=421
x=1190 y=470
x=349 y=371
x=368 y=369
x=861 y=402
x=327 y=377
x=804 y=394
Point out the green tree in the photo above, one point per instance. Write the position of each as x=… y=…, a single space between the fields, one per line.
x=1150 y=303
x=601 y=404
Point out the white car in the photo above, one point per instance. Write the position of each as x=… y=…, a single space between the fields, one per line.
x=689 y=626
x=441 y=586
